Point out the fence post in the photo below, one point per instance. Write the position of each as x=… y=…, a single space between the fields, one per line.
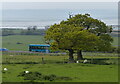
x=43 y=60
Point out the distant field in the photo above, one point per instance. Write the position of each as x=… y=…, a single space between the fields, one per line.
x=10 y=42
x=17 y=31
x=116 y=41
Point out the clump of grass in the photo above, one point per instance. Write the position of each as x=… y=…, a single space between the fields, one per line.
x=51 y=77
x=39 y=76
x=30 y=76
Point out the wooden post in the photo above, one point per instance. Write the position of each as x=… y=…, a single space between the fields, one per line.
x=43 y=60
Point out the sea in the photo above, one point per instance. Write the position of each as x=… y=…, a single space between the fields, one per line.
x=23 y=18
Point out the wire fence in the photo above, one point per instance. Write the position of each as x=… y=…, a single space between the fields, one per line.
x=99 y=54
x=26 y=57
x=31 y=53
x=56 y=54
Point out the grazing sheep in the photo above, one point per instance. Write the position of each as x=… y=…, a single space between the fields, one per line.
x=5 y=69
x=26 y=71
x=77 y=61
x=85 y=61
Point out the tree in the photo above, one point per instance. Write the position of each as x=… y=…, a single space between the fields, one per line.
x=71 y=38
x=78 y=33
x=94 y=26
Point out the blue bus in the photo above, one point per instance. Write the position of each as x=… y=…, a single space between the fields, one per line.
x=3 y=49
x=39 y=48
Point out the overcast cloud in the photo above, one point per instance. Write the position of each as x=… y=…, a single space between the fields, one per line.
x=60 y=5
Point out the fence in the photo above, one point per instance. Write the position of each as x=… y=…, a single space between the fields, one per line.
x=31 y=53
x=56 y=54
x=99 y=54
x=26 y=57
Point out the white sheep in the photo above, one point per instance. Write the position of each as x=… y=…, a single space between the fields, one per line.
x=77 y=61
x=26 y=71
x=85 y=61
x=5 y=69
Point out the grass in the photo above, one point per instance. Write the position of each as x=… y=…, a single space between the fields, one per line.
x=116 y=40
x=102 y=67
x=10 y=42
x=17 y=31
x=79 y=72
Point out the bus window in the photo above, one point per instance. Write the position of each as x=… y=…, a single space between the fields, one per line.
x=39 y=48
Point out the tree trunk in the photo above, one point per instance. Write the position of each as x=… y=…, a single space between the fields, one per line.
x=79 y=55
x=71 y=58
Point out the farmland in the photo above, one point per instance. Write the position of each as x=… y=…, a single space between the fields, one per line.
x=101 y=67
x=21 y=42
x=116 y=40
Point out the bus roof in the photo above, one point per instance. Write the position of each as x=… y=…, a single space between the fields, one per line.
x=45 y=45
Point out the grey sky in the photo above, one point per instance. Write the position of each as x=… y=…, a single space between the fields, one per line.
x=59 y=0
x=60 y=5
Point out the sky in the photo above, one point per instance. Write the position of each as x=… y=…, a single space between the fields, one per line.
x=100 y=8
x=60 y=5
x=59 y=0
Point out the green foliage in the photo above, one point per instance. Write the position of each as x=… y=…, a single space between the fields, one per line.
x=105 y=43
x=88 y=22
x=70 y=37
x=80 y=32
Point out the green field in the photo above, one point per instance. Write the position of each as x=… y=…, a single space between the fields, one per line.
x=78 y=72
x=115 y=41
x=10 y=42
x=101 y=67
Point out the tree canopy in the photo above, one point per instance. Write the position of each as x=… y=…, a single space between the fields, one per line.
x=71 y=37
x=80 y=32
